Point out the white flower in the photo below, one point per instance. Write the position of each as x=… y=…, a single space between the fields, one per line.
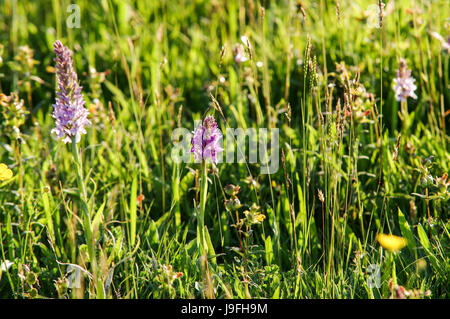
x=4 y=266
x=239 y=53
x=246 y=41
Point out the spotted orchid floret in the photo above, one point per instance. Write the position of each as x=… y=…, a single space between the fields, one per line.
x=241 y=51
x=205 y=142
x=69 y=112
x=239 y=54
x=404 y=86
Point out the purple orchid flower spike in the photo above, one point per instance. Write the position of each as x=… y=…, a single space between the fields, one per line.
x=404 y=86
x=205 y=142
x=69 y=112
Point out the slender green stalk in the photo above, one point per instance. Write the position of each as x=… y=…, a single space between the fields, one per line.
x=85 y=209
x=11 y=282
x=201 y=240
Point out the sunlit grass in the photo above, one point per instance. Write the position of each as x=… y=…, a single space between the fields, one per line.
x=354 y=161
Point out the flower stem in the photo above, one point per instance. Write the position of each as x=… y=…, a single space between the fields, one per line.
x=77 y=158
x=201 y=216
x=84 y=206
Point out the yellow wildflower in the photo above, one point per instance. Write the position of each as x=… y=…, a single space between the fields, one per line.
x=5 y=172
x=260 y=217
x=391 y=242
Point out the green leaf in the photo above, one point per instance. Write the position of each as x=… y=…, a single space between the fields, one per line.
x=427 y=246
x=98 y=218
x=133 y=208
x=269 y=250
x=406 y=231
x=154 y=236
x=423 y=238
x=48 y=213
x=211 y=251
x=276 y=294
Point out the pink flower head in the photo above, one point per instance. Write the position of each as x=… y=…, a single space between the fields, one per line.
x=240 y=51
x=239 y=54
x=404 y=86
x=205 y=142
x=69 y=112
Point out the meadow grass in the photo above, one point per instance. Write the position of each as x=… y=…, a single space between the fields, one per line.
x=114 y=216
